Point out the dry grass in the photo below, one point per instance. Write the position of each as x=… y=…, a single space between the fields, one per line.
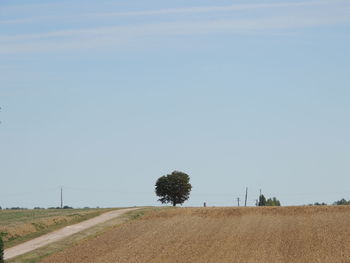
x=290 y=234
x=38 y=254
x=17 y=226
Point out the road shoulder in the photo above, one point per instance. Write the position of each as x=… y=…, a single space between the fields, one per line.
x=29 y=252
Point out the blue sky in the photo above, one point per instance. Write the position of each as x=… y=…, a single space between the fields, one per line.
x=103 y=97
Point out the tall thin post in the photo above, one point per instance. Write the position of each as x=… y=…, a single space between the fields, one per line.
x=238 y=200
x=246 y=196
x=61 y=197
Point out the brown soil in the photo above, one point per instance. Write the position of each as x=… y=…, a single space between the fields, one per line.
x=18 y=226
x=61 y=233
x=269 y=234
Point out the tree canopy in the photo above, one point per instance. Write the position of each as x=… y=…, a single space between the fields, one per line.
x=273 y=202
x=262 y=200
x=269 y=202
x=173 y=188
x=342 y=202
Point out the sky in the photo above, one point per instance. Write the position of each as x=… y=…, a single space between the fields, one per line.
x=103 y=97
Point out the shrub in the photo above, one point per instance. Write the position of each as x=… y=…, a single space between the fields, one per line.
x=1 y=250
x=273 y=202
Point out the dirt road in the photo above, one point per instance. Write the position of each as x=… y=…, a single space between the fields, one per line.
x=62 y=233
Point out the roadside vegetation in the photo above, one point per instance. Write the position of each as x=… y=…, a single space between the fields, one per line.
x=17 y=226
x=1 y=250
x=83 y=236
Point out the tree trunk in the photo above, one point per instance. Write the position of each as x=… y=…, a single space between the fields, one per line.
x=174 y=204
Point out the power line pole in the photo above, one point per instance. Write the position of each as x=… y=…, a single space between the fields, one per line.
x=238 y=200
x=61 y=197
x=246 y=196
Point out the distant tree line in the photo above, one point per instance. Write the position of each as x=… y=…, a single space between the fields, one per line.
x=339 y=202
x=268 y=202
x=14 y=208
x=318 y=204
x=275 y=202
x=342 y=202
x=65 y=207
x=37 y=208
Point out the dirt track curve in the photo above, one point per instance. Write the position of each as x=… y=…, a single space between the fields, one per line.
x=61 y=233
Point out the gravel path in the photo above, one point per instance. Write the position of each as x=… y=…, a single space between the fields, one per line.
x=61 y=233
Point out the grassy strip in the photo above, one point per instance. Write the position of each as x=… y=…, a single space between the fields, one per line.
x=77 y=215
x=38 y=254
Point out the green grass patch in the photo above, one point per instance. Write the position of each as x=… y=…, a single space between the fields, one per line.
x=38 y=254
x=40 y=221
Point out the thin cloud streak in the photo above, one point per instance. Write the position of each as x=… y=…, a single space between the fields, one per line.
x=207 y=9
x=27 y=20
x=122 y=35
x=174 y=11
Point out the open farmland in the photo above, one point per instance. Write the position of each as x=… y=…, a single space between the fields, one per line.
x=17 y=226
x=256 y=234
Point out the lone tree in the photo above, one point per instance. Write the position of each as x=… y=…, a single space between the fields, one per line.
x=1 y=250
x=173 y=188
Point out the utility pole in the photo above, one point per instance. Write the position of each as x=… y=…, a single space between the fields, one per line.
x=246 y=196
x=61 y=197
x=238 y=200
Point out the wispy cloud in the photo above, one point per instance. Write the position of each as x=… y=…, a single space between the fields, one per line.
x=26 y=20
x=116 y=36
x=194 y=10
x=169 y=11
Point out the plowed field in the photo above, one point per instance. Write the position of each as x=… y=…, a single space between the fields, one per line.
x=269 y=234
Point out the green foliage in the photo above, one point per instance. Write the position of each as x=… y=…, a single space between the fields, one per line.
x=1 y=250
x=60 y=218
x=342 y=202
x=173 y=188
x=269 y=202
x=318 y=204
x=262 y=200
x=273 y=202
